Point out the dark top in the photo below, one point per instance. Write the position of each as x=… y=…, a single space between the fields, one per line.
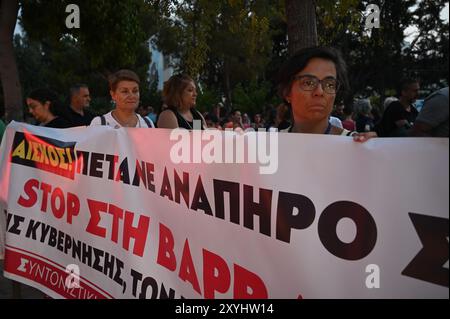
x=76 y=119
x=393 y=113
x=283 y=125
x=182 y=122
x=58 y=122
x=364 y=123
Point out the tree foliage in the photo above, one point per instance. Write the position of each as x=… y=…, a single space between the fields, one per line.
x=222 y=43
x=110 y=35
x=379 y=58
x=233 y=48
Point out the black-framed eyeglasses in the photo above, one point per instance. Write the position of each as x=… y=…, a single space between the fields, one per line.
x=330 y=85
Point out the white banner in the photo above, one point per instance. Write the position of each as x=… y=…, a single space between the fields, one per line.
x=106 y=213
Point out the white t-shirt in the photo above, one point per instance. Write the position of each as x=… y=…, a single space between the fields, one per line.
x=111 y=121
x=335 y=122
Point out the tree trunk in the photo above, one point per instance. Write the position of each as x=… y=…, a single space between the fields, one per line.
x=9 y=74
x=301 y=24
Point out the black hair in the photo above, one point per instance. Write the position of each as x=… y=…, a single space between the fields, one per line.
x=44 y=95
x=300 y=60
x=74 y=89
x=404 y=84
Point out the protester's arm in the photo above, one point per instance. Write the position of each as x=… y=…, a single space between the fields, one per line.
x=434 y=112
x=167 y=120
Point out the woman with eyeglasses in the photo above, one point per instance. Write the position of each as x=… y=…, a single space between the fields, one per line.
x=309 y=82
x=124 y=90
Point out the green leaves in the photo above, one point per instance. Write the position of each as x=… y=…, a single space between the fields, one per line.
x=110 y=32
x=234 y=46
x=221 y=42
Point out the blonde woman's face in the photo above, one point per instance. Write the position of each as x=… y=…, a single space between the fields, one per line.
x=189 y=95
x=126 y=95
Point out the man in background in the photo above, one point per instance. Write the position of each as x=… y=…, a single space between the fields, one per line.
x=400 y=115
x=78 y=114
x=433 y=117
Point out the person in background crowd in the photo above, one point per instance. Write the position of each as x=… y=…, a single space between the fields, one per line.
x=433 y=117
x=283 y=117
x=309 y=81
x=212 y=121
x=270 y=115
x=142 y=110
x=151 y=114
x=234 y=120
x=375 y=113
x=77 y=113
x=348 y=122
x=400 y=115
x=236 y=117
x=259 y=121
x=217 y=110
x=147 y=111
x=124 y=90
x=339 y=111
x=363 y=120
x=180 y=95
x=388 y=101
x=246 y=123
x=45 y=107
